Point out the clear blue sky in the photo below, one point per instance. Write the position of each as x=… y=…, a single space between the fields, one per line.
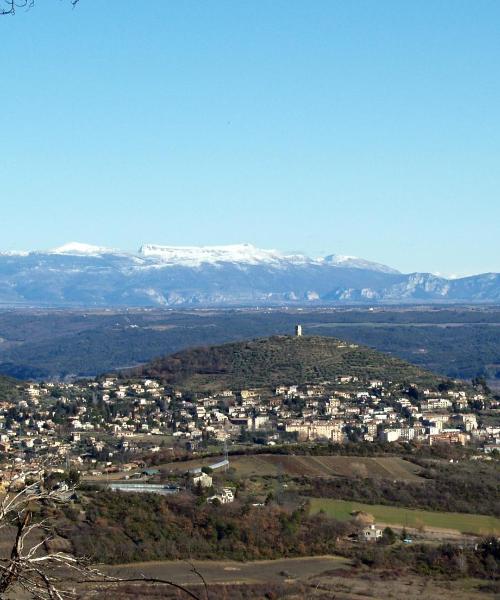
x=366 y=128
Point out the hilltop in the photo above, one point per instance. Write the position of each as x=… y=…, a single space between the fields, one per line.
x=276 y=360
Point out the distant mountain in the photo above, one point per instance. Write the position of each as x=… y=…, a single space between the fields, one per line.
x=279 y=360
x=352 y=262
x=81 y=275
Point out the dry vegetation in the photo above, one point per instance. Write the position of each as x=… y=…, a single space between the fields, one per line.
x=289 y=581
x=390 y=467
x=278 y=360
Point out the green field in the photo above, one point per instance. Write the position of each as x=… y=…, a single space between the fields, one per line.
x=405 y=517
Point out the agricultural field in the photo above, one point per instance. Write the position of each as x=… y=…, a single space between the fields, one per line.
x=312 y=466
x=330 y=466
x=405 y=517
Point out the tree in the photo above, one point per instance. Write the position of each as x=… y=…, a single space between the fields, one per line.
x=29 y=568
x=73 y=477
x=413 y=392
x=445 y=386
x=32 y=568
x=388 y=536
x=9 y=7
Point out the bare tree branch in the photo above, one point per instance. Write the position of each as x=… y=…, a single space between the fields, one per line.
x=196 y=572
x=111 y=581
x=10 y=6
x=40 y=572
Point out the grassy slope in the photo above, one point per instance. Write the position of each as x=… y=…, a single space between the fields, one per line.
x=279 y=360
x=465 y=523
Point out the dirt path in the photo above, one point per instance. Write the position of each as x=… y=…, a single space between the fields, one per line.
x=227 y=571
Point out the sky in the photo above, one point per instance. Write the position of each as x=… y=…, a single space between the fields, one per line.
x=366 y=128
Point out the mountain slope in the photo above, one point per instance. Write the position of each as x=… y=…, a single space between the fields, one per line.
x=80 y=275
x=278 y=360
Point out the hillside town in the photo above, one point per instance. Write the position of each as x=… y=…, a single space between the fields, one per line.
x=105 y=425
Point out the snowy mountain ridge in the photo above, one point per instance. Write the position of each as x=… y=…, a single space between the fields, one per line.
x=195 y=256
x=77 y=274
x=77 y=248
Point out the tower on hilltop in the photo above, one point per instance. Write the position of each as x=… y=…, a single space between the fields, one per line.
x=298 y=330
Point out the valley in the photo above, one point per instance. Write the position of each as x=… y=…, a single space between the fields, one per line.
x=461 y=342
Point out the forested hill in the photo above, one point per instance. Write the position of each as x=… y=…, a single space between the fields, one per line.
x=279 y=360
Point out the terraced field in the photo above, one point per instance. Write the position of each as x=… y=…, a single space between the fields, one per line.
x=314 y=466
x=329 y=466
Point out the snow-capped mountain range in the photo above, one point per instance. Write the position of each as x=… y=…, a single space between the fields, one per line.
x=195 y=256
x=79 y=274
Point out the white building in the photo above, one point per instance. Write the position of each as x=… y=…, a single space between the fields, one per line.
x=203 y=480
x=371 y=534
x=226 y=496
x=390 y=435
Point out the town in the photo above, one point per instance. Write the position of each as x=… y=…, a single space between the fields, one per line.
x=108 y=425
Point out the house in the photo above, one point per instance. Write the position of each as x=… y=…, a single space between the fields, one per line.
x=226 y=496
x=433 y=403
x=468 y=422
x=258 y=422
x=449 y=436
x=245 y=394
x=202 y=479
x=313 y=430
x=370 y=534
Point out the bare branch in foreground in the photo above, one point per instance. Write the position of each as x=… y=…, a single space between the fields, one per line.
x=196 y=572
x=31 y=567
x=10 y=6
x=112 y=580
